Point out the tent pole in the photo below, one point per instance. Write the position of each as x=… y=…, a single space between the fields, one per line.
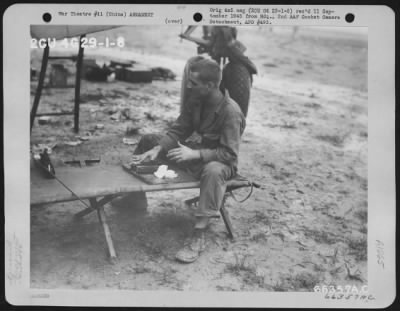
x=40 y=83
x=78 y=85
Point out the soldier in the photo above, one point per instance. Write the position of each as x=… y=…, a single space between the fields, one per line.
x=220 y=122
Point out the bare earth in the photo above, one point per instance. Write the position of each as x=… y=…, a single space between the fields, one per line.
x=305 y=142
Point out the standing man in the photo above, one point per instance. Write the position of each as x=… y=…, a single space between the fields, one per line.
x=220 y=122
x=221 y=43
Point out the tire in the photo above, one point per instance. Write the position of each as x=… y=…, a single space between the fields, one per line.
x=236 y=79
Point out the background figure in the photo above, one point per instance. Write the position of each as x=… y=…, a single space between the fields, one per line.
x=237 y=73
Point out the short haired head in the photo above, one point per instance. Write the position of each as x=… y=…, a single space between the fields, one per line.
x=208 y=71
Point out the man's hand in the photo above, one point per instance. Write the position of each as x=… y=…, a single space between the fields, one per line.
x=151 y=155
x=183 y=153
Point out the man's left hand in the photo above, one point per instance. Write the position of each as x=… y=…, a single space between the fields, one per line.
x=183 y=153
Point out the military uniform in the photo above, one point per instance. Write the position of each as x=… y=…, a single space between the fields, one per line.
x=220 y=126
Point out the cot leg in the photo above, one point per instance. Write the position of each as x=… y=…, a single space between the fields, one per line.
x=94 y=205
x=107 y=233
x=224 y=213
x=227 y=220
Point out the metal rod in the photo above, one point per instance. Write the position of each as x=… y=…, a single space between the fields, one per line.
x=78 y=84
x=63 y=57
x=70 y=86
x=40 y=84
x=53 y=114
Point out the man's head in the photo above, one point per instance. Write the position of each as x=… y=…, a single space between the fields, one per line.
x=204 y=77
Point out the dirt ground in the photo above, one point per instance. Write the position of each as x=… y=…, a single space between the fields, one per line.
x=305 y=142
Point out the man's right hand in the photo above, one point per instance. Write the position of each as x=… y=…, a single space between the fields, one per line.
x=150 y=155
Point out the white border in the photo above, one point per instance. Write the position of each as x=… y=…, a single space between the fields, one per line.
x=381 y=167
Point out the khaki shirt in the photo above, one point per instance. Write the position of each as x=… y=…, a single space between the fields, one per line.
x=220 y=127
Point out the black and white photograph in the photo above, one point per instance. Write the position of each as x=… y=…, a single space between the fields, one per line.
x=199 y=158
x=293 y=127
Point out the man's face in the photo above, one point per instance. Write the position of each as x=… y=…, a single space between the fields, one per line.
x=198 y=88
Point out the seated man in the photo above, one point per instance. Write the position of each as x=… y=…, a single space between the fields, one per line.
x=220 y=122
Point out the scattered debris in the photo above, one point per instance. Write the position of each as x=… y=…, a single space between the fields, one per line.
x=127 y=113
x=98 y=74
x=99 y=126
x=73 y=143
x=84 y=138
x=271 y=165
x=129 y=141
x=111 y=77
x=97 y=97
x=40 y=148
x=121 y=63
x=44 y=120
x=33 y=73
x=43 y=163
x=136 y=74
x=130 y=131
x=161 y=73
x=150 y=116
x=87 y=136
x=111 y=110
x=116 y=116
x=58 y=76
x=87 y=64
x=120 y=93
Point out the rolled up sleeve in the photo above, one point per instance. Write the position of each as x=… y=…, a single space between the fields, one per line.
x=181 y=129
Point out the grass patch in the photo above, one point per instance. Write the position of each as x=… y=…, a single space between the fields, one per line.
x=168 y=277
x=280 y=287
x=260 y=217
x=312 y=105
x=259 y=237
x=240 y=265
x=303 y=281
x=321 y=236
x=359 y=248
x=335 y=140
x=248 y=273
x=362 y=215
x=364 y=229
